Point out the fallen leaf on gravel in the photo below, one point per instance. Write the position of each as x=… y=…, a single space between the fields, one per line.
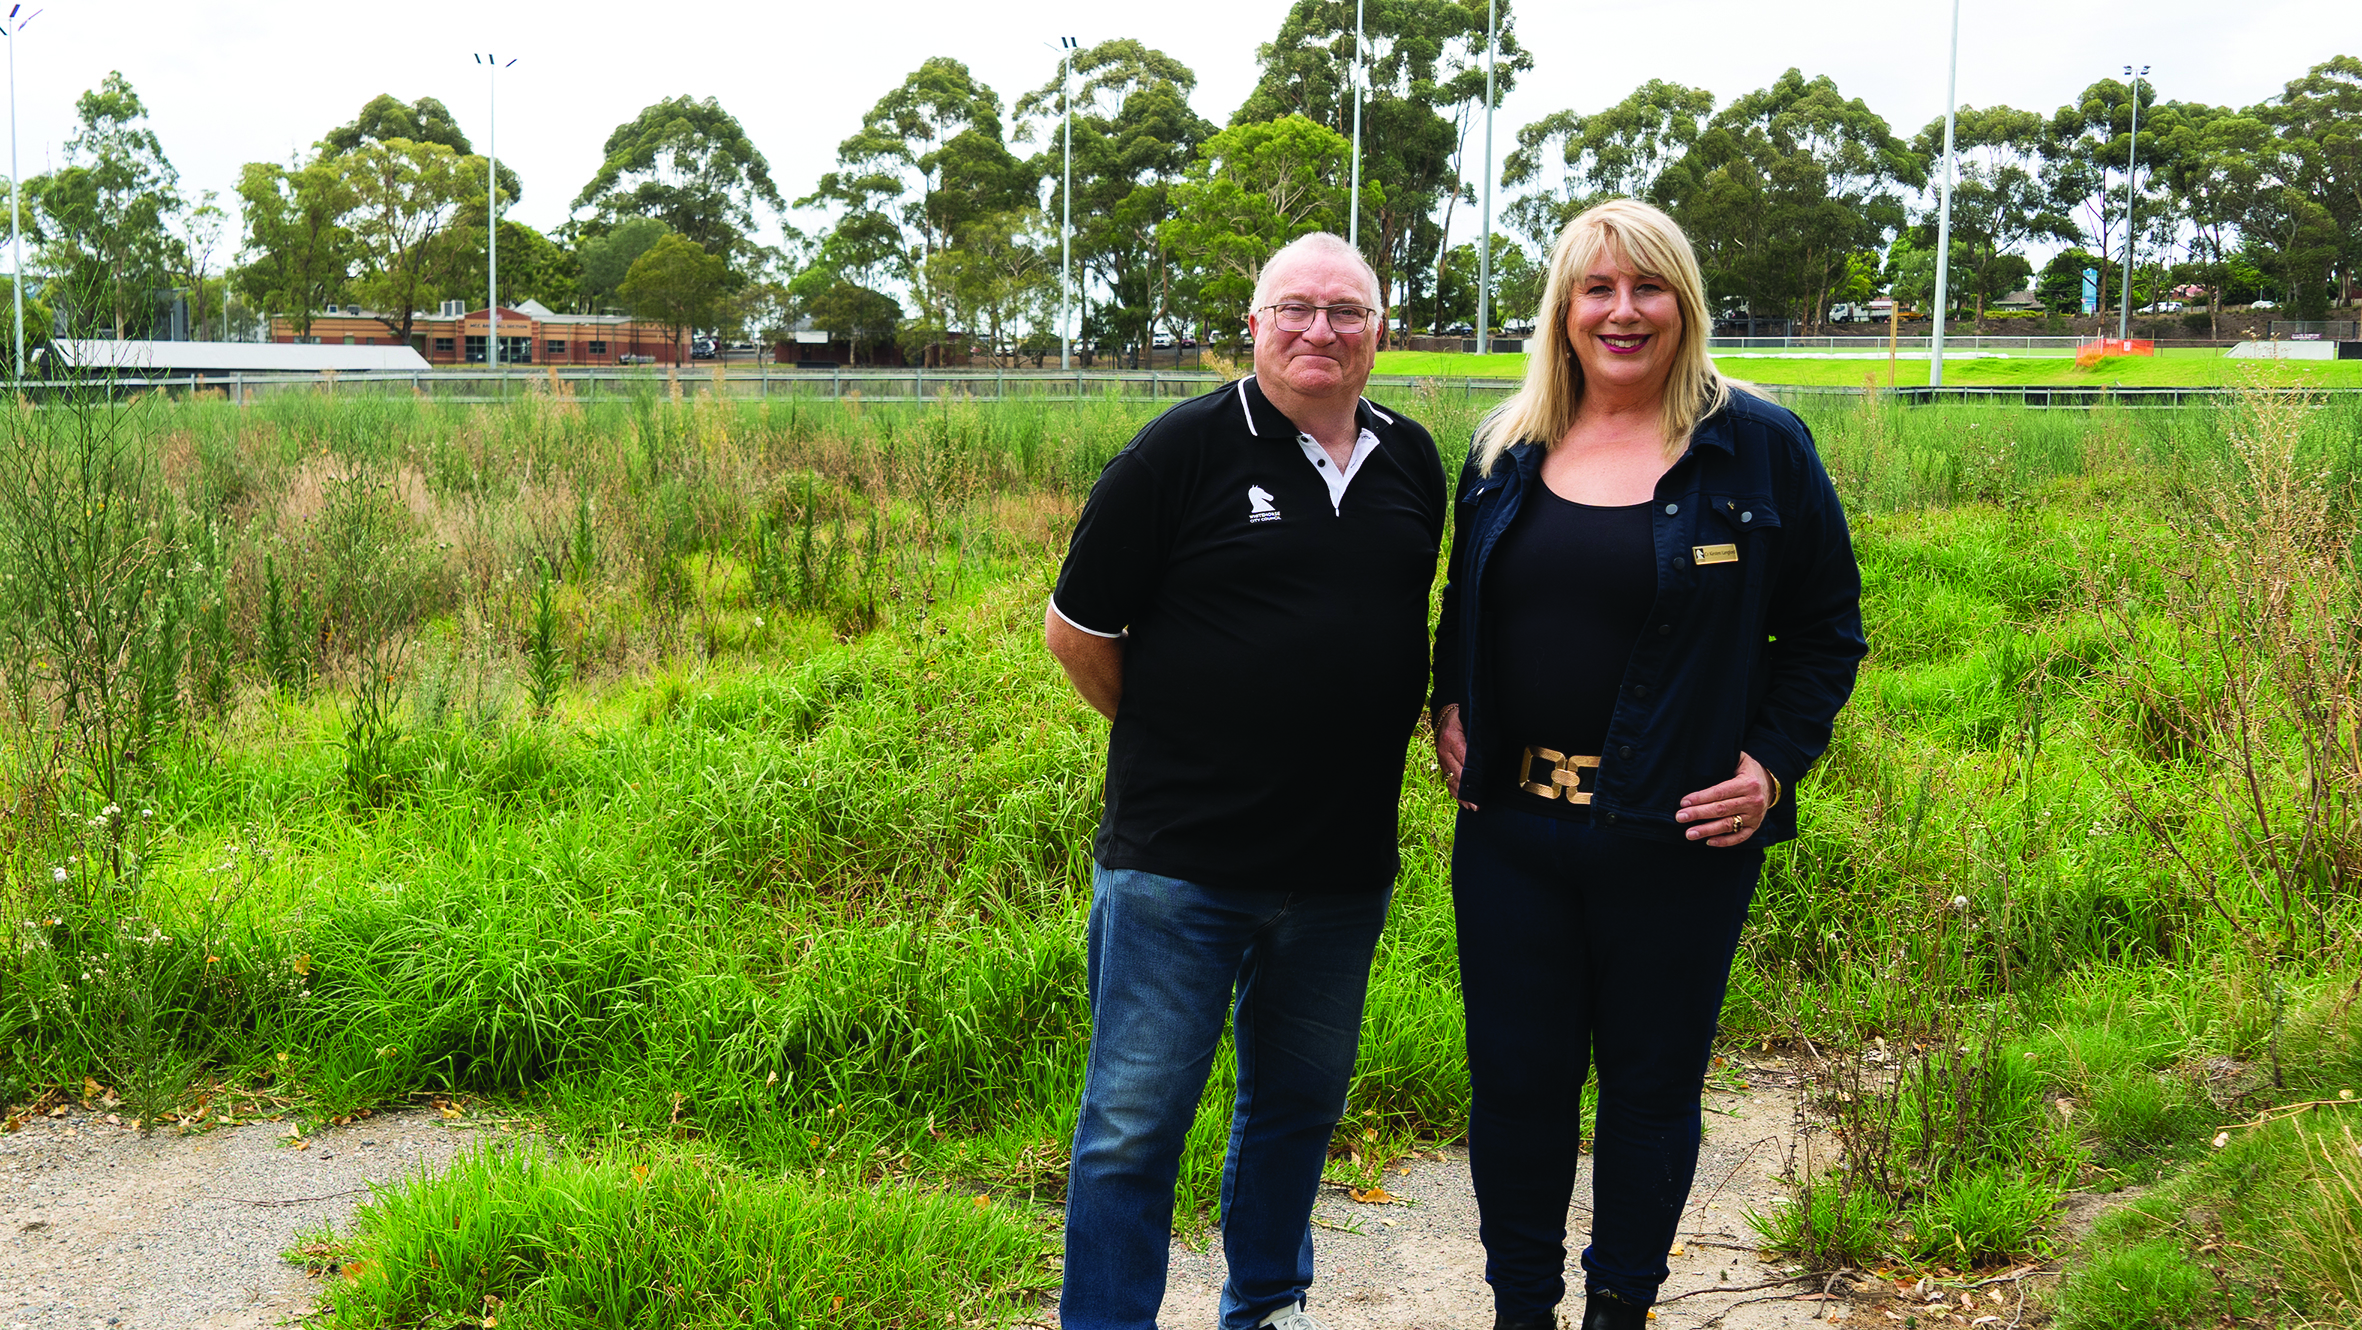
x=1676 y=1250
x=58 y=1112
x=91 y=1089
x=1373 y=1196
x=15 y=1120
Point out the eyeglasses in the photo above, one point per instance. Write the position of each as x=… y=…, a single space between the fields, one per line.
x=1294 y=317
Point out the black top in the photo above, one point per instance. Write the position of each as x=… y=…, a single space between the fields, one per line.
x=1277 y=645
x=1567 y=591
x=1750 y=647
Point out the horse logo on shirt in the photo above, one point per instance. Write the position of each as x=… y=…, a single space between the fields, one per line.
x=1259 y=507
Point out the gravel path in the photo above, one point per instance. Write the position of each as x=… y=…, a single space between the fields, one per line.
x=1416 y=1263
x=99 y=1227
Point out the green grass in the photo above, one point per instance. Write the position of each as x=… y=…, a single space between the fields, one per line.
x=783 y=897
x=2177 y=367
x=1451 y=364
x=526 y=1239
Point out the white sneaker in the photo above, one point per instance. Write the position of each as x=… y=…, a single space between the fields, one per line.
x=1292 y=1317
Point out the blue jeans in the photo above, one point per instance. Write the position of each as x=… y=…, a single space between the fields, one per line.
x=1166 y=957
x=1583 y=947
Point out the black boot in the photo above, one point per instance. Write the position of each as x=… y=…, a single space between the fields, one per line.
x=1534 y=1321
x=1606 y=1311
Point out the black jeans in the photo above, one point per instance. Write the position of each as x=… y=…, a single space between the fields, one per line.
x=1582 y=947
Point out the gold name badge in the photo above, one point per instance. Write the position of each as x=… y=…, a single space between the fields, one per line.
x=1705 y=554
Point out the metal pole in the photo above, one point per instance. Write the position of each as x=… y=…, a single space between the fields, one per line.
x=1484 y=240
x=2131 y=155
x=1935 y=345
x=492 y=241
x=16 y=228
x=1353 y=222
x=1066 y=201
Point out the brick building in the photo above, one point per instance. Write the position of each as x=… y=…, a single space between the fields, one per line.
x=530 y=334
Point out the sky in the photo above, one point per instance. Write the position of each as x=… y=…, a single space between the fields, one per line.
x=262 y=80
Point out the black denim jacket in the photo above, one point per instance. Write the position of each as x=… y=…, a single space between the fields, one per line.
x=1753 y=655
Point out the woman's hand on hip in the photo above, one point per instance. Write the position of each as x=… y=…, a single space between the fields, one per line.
x=1451 y=751
x=1727 y=814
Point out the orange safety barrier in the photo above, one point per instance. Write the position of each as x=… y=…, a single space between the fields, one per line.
x=2091 y=352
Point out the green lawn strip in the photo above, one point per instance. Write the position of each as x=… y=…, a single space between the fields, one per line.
x=669 y=1239
x=2175 y=367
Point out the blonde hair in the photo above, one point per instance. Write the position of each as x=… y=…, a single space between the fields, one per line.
x=1644 y=240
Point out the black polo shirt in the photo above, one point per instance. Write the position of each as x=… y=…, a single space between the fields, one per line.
x=1277 y=637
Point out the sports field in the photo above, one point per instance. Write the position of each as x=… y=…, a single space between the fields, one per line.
x=2193 y=367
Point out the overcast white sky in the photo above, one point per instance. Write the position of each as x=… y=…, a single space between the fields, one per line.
x=238 y=82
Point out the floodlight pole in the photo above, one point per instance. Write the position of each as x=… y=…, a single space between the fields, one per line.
x=1353 y=220
x=1066 y=202
x=2131 y=156
x=1484 y=241
x=16 y=189
x=492 y=197
x=1935 y=343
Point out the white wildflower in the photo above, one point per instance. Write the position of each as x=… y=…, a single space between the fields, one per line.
x=1960 y=903
x=60 y=876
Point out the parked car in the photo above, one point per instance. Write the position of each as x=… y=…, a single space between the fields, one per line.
x=703 y=348
x=1162 y=341
x=2264 y=304
x=2161 y=307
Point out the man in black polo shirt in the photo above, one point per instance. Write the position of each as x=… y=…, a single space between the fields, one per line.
x=1246 y=598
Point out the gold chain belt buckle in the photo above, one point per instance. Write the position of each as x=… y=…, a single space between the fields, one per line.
x=1564 y=775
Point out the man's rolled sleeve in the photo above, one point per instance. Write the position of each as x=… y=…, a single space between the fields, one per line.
x=1118 y=547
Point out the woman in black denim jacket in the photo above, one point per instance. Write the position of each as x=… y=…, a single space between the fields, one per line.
x=1652 y=619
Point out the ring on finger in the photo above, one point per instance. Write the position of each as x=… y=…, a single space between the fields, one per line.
x=1737 y=824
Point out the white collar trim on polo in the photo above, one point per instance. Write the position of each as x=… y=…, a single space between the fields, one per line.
x=1247 y=410
x=1334 y=477
x=1337 y=479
